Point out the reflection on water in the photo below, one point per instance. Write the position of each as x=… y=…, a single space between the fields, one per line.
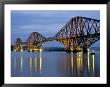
x=21 y=62
x=40 y=61
x=93 y=63
x=35 y=63
x=88 y=58
x=72 y=61
x=55 y=64
x=79 y=61
x=30 y=62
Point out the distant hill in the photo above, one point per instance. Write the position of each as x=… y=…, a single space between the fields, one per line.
x=62 y=49
x=53 y=49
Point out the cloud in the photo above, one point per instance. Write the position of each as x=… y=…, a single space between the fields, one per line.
x=56 y=13
x=37 y=28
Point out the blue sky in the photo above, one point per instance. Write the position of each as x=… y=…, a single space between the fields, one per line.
x=46 y=22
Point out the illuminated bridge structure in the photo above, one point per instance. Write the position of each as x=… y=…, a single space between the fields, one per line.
x=78 y=33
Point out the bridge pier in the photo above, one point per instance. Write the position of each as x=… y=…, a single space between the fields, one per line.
x=75 y=50
x=85 y=50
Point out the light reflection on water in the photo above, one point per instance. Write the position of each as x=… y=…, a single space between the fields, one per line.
x=55 y=64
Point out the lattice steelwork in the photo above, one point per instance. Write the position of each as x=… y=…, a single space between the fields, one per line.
x=35 y=39
x=79 y=32
x=17 y=45
x=18 y=42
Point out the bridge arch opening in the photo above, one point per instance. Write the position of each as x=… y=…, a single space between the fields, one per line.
x=96 y=44
x=53 y=44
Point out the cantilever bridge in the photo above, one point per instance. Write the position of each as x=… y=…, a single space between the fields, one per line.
x=79 y=32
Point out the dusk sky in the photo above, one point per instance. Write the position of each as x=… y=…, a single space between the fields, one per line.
x=46 y=22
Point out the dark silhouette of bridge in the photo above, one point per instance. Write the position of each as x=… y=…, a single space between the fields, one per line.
x=78 y=33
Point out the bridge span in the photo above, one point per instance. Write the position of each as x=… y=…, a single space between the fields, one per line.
x=77 y=34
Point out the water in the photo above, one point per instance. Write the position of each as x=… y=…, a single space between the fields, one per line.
x=55 y=64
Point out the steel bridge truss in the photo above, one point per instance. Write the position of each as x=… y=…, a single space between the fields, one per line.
x=35 y=40
x=79 y=32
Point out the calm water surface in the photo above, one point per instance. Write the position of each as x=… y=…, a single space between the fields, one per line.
x=55 y=64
